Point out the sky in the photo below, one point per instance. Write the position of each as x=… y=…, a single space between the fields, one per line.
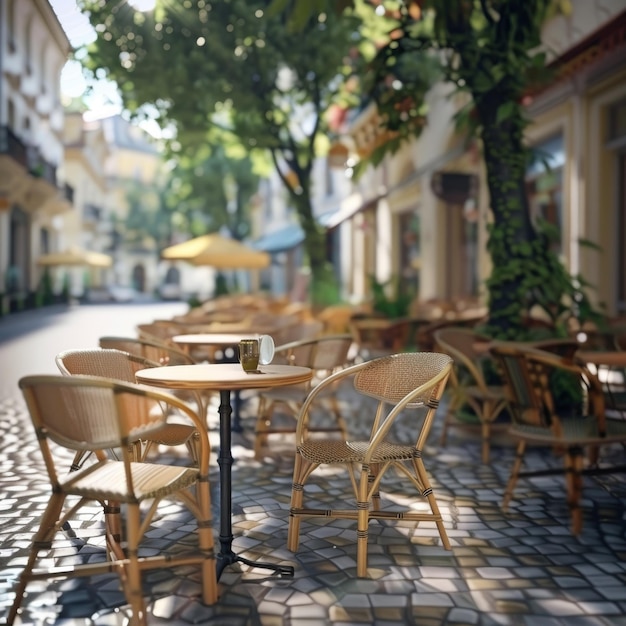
x=104 y=99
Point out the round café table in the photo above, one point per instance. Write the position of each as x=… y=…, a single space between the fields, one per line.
x=217 y=341
x=225 y=378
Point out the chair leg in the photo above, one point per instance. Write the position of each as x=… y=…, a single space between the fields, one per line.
x=374 y=469
x=131 y=577
x=113 y=525
x=263 y=422
x=486 y=441
x=519 y=456
x=573 y=477
x=443 y=439
x=427 y=492
x=297 y=497
x=206 y=543
x=45 y=534
x=453 y=406
x=362 y=533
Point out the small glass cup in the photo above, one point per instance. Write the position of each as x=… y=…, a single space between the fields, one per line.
x=249 y=355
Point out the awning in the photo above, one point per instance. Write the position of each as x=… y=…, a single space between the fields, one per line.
x=280 y=240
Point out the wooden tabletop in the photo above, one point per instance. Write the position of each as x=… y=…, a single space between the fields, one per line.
x=222 y=376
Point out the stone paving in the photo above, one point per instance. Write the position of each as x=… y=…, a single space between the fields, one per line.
x=520 y=567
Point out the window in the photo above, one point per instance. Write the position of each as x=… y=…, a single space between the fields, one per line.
x=617 y=141
x=11 y=115
x=409 y=224
x=28 y=46
x=44 y=241
x=621 y=235
x=544 y=186
x=11 y=22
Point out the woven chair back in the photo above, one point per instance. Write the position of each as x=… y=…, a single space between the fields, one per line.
x=390 y=379
x=152 y=350
x=533 y=378
x=109 y=363
x=90 y=413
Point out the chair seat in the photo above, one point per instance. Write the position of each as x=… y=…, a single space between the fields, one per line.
x=335 y=451
x=576 y=431
x=107 y=481
x=174 y=434
x=494 y=393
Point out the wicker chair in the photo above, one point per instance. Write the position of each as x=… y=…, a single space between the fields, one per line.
x=158 y=351
x=377 y=336
x=398 y=382
x=468 y=386
x=119 y=365
x=161 y=353
x=323 y=355
x=81 y=413
x=529 y=375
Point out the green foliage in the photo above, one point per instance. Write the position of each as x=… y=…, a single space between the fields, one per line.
x=194 y=302
x=45 y=293
x=65 y=289
x=566 y=391
x=221 y=285
x=232 y=67
x=210 y=188
x=325 y=290
x=388 y=299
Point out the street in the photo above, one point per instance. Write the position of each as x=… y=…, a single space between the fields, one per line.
x=29 y=341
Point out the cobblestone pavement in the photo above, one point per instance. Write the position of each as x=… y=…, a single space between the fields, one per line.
x=520 y=567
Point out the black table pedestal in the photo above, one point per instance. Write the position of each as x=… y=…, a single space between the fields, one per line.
x=226 y=555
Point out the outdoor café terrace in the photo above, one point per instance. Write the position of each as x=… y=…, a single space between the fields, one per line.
x=536 y=561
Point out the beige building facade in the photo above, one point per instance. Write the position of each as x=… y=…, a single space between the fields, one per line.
x=33 y=50
x=421 y=215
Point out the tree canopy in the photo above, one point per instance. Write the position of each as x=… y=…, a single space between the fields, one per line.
x=231 y=66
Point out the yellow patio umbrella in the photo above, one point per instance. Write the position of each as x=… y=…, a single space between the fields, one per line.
x=219 y=252
x=75 y=256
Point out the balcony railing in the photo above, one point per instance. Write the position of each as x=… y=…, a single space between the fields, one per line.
x=39 y=167
x=11 y=145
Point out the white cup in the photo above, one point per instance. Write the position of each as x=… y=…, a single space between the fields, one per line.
x=266 y=349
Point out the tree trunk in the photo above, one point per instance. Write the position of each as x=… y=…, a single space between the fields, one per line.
x=518 y=254
x=324 y=289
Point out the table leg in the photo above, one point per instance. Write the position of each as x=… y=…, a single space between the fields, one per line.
x=226 y=555
x=237 y=427
x=236 y=415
